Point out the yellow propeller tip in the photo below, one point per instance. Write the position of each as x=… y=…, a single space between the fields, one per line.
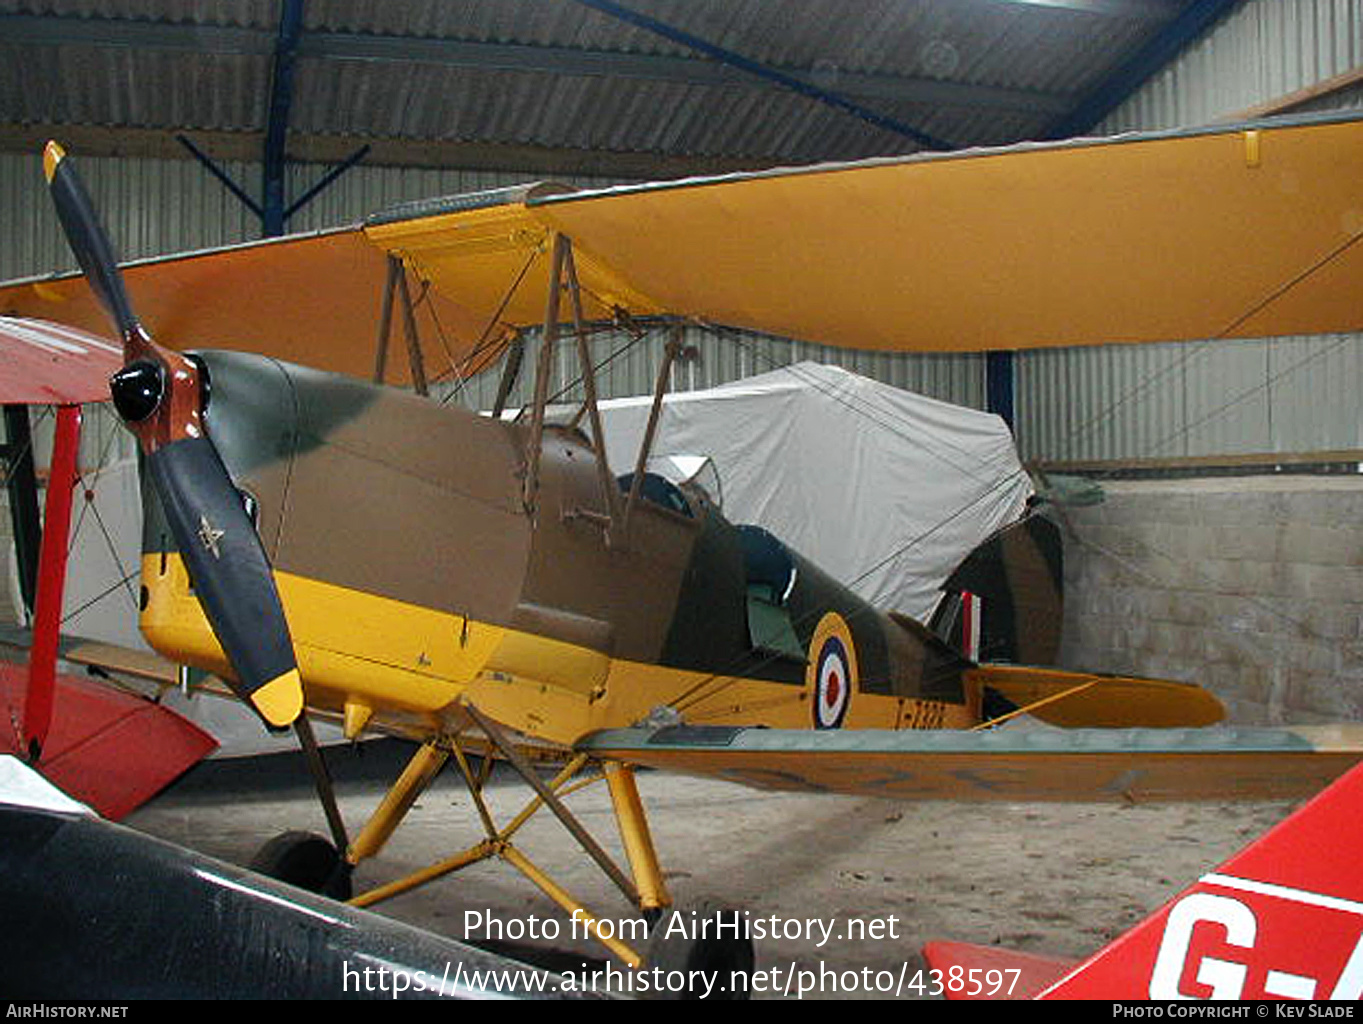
x=280 y=701
x=53 y=154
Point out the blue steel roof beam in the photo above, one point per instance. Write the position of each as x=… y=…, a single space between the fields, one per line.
x=277 y=125
x=1195 y=20
x=212 y=168
x=326 y=179
x=761 y=70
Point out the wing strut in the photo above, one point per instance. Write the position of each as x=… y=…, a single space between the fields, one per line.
x=535 y=446
x=609 y=492
x=589 y=845
x=670 y=353
x=42 y=664
x=563 y=278
x=397 y=286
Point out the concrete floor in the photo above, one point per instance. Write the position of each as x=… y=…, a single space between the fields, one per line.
x=882 y=877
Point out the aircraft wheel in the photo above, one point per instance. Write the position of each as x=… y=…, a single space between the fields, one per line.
x=306 y=860
x=684 y=943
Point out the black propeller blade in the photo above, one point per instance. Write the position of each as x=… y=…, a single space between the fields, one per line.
x=87 y=239
x=159 y=395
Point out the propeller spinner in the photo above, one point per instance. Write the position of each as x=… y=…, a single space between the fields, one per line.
x=160 y=395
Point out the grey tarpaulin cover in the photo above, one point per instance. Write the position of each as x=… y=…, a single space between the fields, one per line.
x=884 y=489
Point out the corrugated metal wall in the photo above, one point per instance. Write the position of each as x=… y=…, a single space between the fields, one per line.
x=1286 y=395
x=627 y=367
x=151 y=207
x=1283 y=395
x=1264 y=50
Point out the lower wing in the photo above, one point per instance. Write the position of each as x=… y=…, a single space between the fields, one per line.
x=1002 y=764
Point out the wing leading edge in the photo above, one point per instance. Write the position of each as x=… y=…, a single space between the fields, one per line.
x=1002 y=764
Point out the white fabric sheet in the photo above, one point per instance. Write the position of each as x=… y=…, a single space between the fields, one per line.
x=883 y=489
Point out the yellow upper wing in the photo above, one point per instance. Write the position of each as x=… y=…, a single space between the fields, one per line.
x=1242 y=233
x=1238 y=232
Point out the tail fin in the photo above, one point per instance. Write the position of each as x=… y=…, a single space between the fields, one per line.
x=1018 y=575
x=1282 y=919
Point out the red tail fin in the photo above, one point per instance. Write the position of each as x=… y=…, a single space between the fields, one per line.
x=1282 y=919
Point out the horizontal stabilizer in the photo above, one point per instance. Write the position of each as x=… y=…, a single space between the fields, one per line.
x=1081 y=700
x=1002 y=764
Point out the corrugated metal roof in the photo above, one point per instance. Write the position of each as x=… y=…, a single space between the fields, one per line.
x=560 y=74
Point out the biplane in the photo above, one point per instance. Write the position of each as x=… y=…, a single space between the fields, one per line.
x=328 y=544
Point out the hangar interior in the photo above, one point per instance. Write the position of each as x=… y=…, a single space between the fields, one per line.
x=1227 y=548
x=209 y=124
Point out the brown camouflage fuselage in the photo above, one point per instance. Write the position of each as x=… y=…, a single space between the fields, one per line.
x=415 y=576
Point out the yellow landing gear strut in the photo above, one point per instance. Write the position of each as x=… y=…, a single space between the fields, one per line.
x=645 y=889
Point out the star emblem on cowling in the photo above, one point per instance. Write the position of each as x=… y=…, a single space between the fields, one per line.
x=210 y=536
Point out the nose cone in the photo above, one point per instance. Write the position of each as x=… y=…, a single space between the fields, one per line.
x=137 y=390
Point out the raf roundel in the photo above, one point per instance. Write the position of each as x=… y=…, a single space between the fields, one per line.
x=832 y=673
x=831 y=693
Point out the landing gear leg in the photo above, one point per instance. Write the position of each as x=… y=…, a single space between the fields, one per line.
x=306 y=859
x=677 y=942
x=653 y=897
x=707 y=941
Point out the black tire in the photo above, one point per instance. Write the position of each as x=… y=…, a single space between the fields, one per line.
x=306 y=860
x=688 y=942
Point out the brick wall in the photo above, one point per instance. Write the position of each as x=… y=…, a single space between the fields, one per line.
x=1252 y=587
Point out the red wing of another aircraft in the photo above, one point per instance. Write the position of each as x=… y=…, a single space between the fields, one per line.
x=51 y=364
x=107 y=747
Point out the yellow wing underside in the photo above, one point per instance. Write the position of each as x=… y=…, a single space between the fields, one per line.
x=1235 y=232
